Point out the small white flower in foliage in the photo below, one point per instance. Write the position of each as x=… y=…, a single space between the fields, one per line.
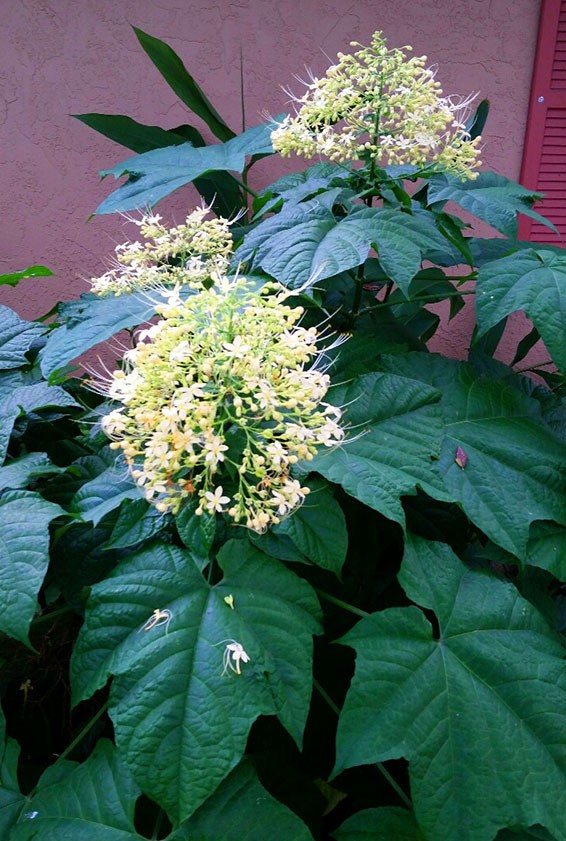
x=386 y=106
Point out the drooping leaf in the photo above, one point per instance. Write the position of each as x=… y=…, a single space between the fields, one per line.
x=318 y=528
x=104 y=316
x=491 y=197
x=16 y=338
x=24 y=550
x=475 y=711
x=94 y=801
x=533 y=281
x=181 y=717
x=396 y=428
x=384 y=824
x=156 y=174
x=307 y=242
x=242 y=810
x=14 y=278
x=197 y=533
x=180 y=80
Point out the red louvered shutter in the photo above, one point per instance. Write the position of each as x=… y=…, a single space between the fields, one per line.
x=544 y=157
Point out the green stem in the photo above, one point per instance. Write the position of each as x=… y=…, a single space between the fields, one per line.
x=86 y=729
x=419 y=299
x=357 y=611
x=382 y=769
x=244 y=185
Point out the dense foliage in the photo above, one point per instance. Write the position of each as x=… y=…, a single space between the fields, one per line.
x=291 y=575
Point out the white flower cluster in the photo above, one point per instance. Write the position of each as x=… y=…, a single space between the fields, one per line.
x=220 y=398
x=193 y=253
x=383 y=105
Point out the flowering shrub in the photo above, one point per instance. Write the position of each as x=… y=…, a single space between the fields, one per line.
x=405 y=508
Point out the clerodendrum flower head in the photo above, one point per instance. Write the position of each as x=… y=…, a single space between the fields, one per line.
x=220 y=398
x=192 y=253
x=386 y=106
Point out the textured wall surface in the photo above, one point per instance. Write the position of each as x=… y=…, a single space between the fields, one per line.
x=60 y=57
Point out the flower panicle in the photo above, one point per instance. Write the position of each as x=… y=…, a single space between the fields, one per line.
x=220 y=398
x=384 y=105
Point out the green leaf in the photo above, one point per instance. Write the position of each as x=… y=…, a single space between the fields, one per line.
x=24 y=399
x=104 y=317
x=476 y=711
x=242 y=810
x=138 y=521
x=135 y=136
x=181 y=719
x=547 y=548
x=492 y=198
x=94 y=801
x=32 y=271
x=396 y=428
x=24 y=549
x=19 y=472
x=156 y=174
x=533 y=281
x=179 y=79
x=11 y=801
x=197 y=533
x=476 y=124
x=16 y=338
x=318 y=528
x=516 y=467
x=385 y=824
x=306 y=242
x=104 y=493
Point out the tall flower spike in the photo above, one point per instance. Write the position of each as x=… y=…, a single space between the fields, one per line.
x=383 y=105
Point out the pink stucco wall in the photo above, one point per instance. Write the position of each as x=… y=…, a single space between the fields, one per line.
x=60 y=57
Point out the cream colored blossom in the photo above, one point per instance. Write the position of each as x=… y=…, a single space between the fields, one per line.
x=193 y=254
x=385 y=106
x=220 y=398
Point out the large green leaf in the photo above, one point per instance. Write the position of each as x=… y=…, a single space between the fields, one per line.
x=533 y=281
x=24 y=552
x=307 y=242
x=476 y=708
x=16 y=338
x=137 y=522
x=94 y=801
x=181 y=718
x=90 y=321
x=515 y=470
x=242 y=810
x=156 y=174
x=396 y=428
x=514 y=466
x=385 y=824
x=180 y=80
x=491 y=197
